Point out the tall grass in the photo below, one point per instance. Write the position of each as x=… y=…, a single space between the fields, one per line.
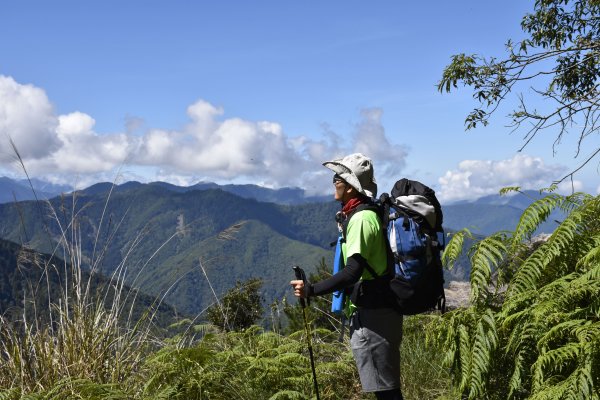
x=87 y=331
x=423 y=375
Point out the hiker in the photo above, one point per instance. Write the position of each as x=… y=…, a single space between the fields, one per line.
x=375 y=327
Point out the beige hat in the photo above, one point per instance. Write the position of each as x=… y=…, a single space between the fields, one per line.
x=357 y=170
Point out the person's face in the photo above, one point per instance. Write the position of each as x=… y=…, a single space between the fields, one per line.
x=341 y=189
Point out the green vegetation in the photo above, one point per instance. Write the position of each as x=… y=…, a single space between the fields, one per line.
x=533 y=329
x=532 y=332
x=87 y=340
x=239 y=309
x=90 y=351
x=173 y=242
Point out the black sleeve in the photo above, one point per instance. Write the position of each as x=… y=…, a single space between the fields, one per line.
x=348 y=276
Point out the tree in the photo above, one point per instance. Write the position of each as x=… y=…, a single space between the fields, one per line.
x=239 y=308
x=561 y=56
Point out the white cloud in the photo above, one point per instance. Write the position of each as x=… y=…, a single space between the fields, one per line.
x=27 y=117
x=210 y=147
x=370 y=139
x=82 y=151
x=569 y=187
x=476 y=178
x=52 y=144
x=224 y=149
x=230 y=149
x=598 y=190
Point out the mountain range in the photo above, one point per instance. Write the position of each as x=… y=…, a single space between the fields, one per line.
x=20 y=190
x=190 y=244
x=484 y=215
x=187 y=246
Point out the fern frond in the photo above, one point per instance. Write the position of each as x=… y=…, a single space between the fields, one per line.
x=592 y=257
x=579 y=291
x=485 y=258
x=575 y=201
x=534 y=215
x=516 y=381
x=464 y=350
x=509 y=189
x=578 y=385
x=528 y=275
x=484 y=343
x=288 y=395
x=454 y=247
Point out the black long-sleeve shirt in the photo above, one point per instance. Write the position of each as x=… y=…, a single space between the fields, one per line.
x=348 y=276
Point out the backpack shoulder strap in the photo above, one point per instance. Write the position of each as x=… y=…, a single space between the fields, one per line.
x=382 y=209
x=362 y=207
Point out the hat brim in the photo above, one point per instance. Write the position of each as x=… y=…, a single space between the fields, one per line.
x=346 y=174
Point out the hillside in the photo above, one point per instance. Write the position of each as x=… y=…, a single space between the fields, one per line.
x=21 y=190
x=23 y=276
x=161 y=236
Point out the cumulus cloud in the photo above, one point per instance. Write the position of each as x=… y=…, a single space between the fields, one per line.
x=52 y=144
x=223 y=149
x=210 y=146
x=27 y=117
x=476 y=178
x=370 y=138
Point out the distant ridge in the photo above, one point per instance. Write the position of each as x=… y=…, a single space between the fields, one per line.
x=484 y=215
x=21 y=190
x=285 y=196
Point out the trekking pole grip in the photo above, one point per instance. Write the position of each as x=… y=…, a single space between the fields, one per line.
x=300 y=275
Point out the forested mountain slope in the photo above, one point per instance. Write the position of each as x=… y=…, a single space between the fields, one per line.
x=174 y=241
x=171 y=242
x=30 y=280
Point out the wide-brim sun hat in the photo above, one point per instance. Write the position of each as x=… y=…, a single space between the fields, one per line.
x=357 y=170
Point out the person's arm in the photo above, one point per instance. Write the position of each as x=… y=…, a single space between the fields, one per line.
x=348 y=276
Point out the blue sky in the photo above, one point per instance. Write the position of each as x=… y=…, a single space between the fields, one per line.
x=259 y=92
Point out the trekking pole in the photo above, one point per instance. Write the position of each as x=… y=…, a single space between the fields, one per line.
x=300 y=275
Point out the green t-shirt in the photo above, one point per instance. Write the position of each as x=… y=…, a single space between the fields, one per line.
x=364 y=236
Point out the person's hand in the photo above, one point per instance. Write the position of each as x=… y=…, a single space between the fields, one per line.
x=298 y=286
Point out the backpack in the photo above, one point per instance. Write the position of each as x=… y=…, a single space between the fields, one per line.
x=413 y=219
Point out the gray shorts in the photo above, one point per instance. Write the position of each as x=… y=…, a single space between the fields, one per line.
x=375 y=336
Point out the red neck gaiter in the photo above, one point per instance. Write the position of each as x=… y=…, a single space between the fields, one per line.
x=351 y=205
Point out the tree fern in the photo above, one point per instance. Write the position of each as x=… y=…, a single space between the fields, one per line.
x=454 y=247
x=536 y=213
x=485 y=257
x=544 y=334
